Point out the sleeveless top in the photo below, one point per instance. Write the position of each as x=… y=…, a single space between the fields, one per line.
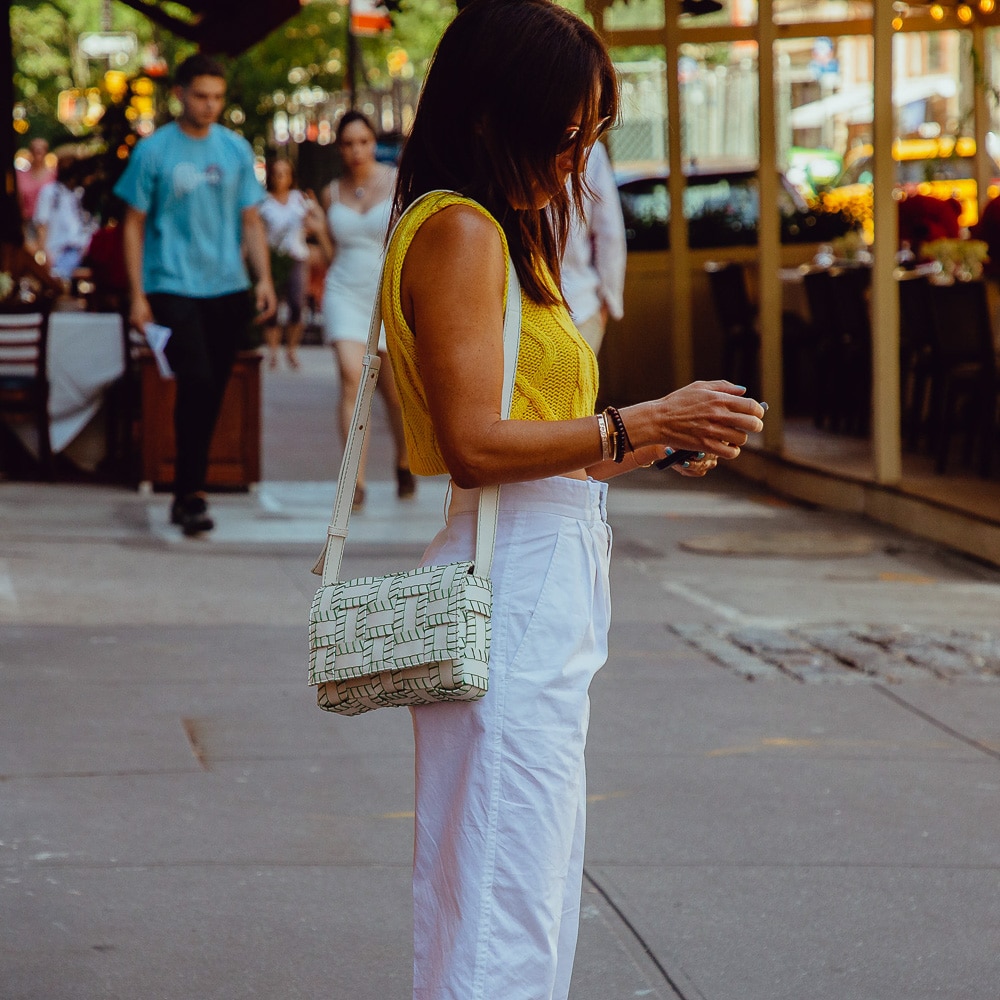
x=556 y=376
x=351 y=282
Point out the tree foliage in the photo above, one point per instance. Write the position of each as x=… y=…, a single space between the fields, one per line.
x=47 y=56
x=308 y=52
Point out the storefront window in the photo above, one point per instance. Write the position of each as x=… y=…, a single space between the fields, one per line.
x=625 y=15
x=744 y=12
x=719 y=96
x=818 y=11
x=641 y=133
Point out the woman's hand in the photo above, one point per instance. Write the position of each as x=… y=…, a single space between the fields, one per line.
x=696 y=466
x=314 y=221
x=714 y=417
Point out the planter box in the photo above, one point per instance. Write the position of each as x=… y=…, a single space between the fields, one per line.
x=234 y=457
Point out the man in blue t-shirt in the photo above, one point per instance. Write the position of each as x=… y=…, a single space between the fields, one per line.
x=192 y=200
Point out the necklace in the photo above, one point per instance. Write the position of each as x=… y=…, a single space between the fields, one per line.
x=359 y=193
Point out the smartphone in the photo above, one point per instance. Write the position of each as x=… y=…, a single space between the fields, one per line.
x=674 y=457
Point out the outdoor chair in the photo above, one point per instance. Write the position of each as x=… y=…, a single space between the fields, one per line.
x=916 y=358
x=964 y=372
x=737 y=317
x=24 y=384
x=838 y=308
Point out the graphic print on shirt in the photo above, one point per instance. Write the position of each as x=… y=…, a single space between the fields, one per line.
x=186 y=177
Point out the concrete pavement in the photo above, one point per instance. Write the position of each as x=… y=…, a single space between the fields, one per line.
x=794 y=764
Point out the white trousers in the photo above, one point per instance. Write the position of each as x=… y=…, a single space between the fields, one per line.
x=500 y=783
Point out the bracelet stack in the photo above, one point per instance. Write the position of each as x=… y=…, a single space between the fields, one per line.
x=614 y=437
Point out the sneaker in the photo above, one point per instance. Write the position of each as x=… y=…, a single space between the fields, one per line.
x=191 y=513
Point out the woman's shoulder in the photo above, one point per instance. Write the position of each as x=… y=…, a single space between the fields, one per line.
x=462 y=218
x=444 y=223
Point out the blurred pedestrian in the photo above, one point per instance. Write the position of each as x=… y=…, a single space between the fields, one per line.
x=30 y=280
x=358 y=206
x=63 y=229
x=289 y=216
x=593 y=265
x=516 y=94
x=29 y=185
x=106 y=259
x=924 y=219
x=193 y=201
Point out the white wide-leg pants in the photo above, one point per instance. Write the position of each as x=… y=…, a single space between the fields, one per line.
x=500 y=783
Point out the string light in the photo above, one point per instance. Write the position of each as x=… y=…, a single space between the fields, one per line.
x=964 y=11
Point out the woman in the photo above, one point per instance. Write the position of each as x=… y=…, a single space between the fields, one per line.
x=517 y=93
x=289 y=216
x=63 y=227
x=358 y=206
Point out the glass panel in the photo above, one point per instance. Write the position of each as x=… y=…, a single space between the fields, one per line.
x=641 y=134
x=731 y=12
x=719 y=120
x=825 y=113
x=799 y=11
x=625 y=14
x=824 y=106
x=744 y=12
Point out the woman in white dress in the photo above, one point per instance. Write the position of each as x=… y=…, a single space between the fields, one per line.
x=358 y=206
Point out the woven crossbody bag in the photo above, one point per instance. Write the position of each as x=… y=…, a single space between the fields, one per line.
x=410 y=638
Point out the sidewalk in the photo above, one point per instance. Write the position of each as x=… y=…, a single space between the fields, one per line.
x=180 y=822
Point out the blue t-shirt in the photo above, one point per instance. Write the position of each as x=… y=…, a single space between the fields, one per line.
x=193 y=192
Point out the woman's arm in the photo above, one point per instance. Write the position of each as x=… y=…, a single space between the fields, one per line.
x=453 y=283
x=315 y=225
x=324 y=235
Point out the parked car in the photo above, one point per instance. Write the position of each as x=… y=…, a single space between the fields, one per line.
x=943 y=168
x=722 y=207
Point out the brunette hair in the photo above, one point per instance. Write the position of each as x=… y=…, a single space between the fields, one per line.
x=197 y=65
x=508 y=79
x=269 y=171
x=348 y=117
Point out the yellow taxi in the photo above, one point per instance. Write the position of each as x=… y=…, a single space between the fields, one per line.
x=943 y=167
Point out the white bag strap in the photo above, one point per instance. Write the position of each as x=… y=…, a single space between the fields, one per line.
x=489 y=496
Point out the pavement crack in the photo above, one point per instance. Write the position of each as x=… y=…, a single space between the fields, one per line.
x=937 y=723
x=633 y=931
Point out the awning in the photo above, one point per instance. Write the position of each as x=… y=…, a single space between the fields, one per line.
x=856 y=103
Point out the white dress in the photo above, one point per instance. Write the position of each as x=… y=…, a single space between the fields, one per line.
x=352 y=279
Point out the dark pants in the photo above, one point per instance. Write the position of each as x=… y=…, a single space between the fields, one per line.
x=206 y=334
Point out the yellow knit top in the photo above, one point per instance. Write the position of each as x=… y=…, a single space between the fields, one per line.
x=556 y=377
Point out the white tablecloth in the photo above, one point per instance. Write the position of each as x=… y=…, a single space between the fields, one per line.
x=86 y=354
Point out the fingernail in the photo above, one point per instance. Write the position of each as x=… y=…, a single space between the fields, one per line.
x=743 y=387
x=685 y=465
x=670 y=451
x=764 y=407
x=700 y=455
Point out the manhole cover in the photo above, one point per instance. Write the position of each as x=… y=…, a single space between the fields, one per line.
x=792 y=544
